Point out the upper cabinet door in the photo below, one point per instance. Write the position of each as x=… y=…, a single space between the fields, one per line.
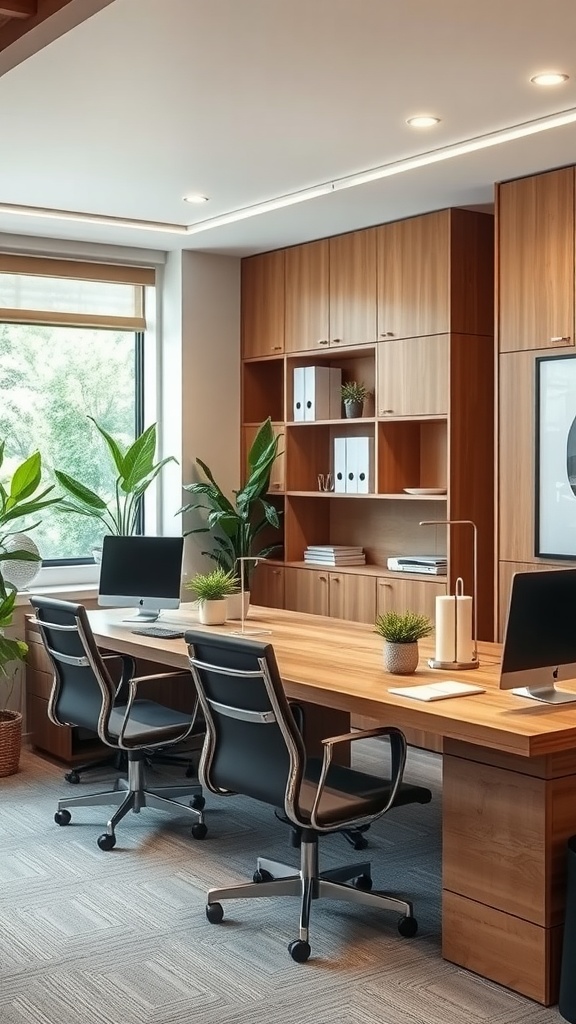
x=307 y=291
x=536 y=261
x=414 y=377
x=414 y=277
x=353 y=288
x=263 y=305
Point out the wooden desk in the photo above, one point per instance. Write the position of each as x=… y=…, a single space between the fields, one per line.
x=509 y=782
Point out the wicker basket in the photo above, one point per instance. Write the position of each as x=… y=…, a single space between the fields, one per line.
x=10 y=742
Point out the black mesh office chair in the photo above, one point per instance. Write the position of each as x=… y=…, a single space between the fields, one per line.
x=254 y=747
x=85 y=694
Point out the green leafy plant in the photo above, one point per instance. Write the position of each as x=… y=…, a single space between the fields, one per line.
x=213 y=585
x=403 y=627
x=235 y=524
x=354 y=391
x=135 y=470
x=20 y=497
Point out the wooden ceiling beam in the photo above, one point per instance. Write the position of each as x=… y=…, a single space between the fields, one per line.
x=18 y=8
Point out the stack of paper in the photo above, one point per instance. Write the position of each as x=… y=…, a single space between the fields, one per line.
x=334 y=554
x=435 y=565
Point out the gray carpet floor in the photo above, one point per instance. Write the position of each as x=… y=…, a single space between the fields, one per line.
x=88 y=937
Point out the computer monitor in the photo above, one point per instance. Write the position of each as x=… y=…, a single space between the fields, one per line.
x=540 y=640
x=141 y=572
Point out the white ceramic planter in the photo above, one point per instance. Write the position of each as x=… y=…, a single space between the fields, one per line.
x=213 y=613
x=400 y=659
x=235 y=605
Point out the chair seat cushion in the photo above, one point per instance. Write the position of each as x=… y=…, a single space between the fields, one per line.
x=351 y=794
x=149 y=723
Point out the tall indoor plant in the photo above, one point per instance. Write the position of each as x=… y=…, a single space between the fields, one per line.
x=20 y=498
x=135 y=470
x=236 y=523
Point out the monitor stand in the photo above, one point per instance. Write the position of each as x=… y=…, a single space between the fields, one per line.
x=143 y=615
x=547 y=694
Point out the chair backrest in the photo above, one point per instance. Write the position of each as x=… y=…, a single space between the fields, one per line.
x=253 y=745
x=83 y=690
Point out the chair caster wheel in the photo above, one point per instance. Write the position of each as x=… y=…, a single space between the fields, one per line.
x=72 y=777
x=360 y=843
x=106 y=841
x=363 y=882
x=199 y=831
x=408 y=926
x=214 y=912
x=62 y=817
x=299 y=951
x=197 y=802
x=261 y=875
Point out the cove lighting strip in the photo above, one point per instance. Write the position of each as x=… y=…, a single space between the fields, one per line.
x=434 y=156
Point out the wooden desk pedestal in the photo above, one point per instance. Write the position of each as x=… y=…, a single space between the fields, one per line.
x=506 y=822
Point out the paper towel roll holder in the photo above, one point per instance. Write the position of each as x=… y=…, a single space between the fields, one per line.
x=455 y=664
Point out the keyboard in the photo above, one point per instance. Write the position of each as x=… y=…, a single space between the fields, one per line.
x=163 y=632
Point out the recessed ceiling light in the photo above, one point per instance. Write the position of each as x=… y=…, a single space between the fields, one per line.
x=549 y=78
x=423 y=121
x=195 y=198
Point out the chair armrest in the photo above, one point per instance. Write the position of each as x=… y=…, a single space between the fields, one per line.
x=397 y=758
x=134 y=683
x=360 y=734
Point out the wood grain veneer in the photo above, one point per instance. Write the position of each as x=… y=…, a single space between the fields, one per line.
x=352 y=259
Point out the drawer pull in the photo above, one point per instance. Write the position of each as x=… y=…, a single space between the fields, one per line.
x=557 y=341
x=323 y=341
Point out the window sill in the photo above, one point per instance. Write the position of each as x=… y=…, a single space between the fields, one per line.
x=66 y=592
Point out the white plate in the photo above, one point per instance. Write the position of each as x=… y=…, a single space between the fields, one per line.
x=425 y=490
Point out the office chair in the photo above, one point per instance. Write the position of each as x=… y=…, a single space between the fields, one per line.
x=253 y=747
x=84 y=694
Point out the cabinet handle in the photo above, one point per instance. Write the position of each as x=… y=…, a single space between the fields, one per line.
x=323 y=579
x=556 y=341
x=324 y=341
x=275 y=572
x=274 y=487
x=336 y=341
x=276 y=348
x=386 y=412
x=387 y=334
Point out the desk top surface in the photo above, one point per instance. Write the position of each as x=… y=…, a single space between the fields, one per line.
x=338 y=664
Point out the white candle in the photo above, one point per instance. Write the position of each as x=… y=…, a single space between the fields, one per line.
x=454 y=629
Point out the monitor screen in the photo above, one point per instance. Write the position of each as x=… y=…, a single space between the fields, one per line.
x=141 y=572
x=540 y=639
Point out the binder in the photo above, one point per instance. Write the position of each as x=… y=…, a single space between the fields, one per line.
x=363 y=460
x=298 y=393
x=340 y=465
x=322 y=392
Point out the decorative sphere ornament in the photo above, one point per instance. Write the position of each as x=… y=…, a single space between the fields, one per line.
x=20 y=574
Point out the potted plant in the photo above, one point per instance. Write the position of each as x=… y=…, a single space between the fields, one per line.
x=236 y=523
x=353 y=395
x=135 y=470
x=401 y=632
x=211 y=590
x=19 y=498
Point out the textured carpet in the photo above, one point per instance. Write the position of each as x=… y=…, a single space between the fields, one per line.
x=122 y=937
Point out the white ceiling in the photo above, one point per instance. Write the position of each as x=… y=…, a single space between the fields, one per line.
x=247 y=100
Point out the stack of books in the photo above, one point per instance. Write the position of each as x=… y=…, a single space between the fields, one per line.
x=334 y=554
x=435 y=565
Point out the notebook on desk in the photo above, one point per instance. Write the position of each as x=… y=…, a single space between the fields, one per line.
x=437 y=691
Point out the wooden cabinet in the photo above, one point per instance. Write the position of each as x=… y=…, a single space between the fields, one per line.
x=429 y=426
x=263 y=304
x=414 y=377
x=434 y=275
x=353 y=288
x=307 y=324
x=267 y=585
x=536 y=261
x=329 y=592
x=331 y=292
x=400 y=595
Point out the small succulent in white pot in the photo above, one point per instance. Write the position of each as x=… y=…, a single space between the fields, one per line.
x=401 y=632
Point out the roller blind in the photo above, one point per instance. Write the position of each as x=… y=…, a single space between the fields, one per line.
x=73 y=293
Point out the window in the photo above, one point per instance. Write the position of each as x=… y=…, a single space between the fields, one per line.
x=70 y=347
